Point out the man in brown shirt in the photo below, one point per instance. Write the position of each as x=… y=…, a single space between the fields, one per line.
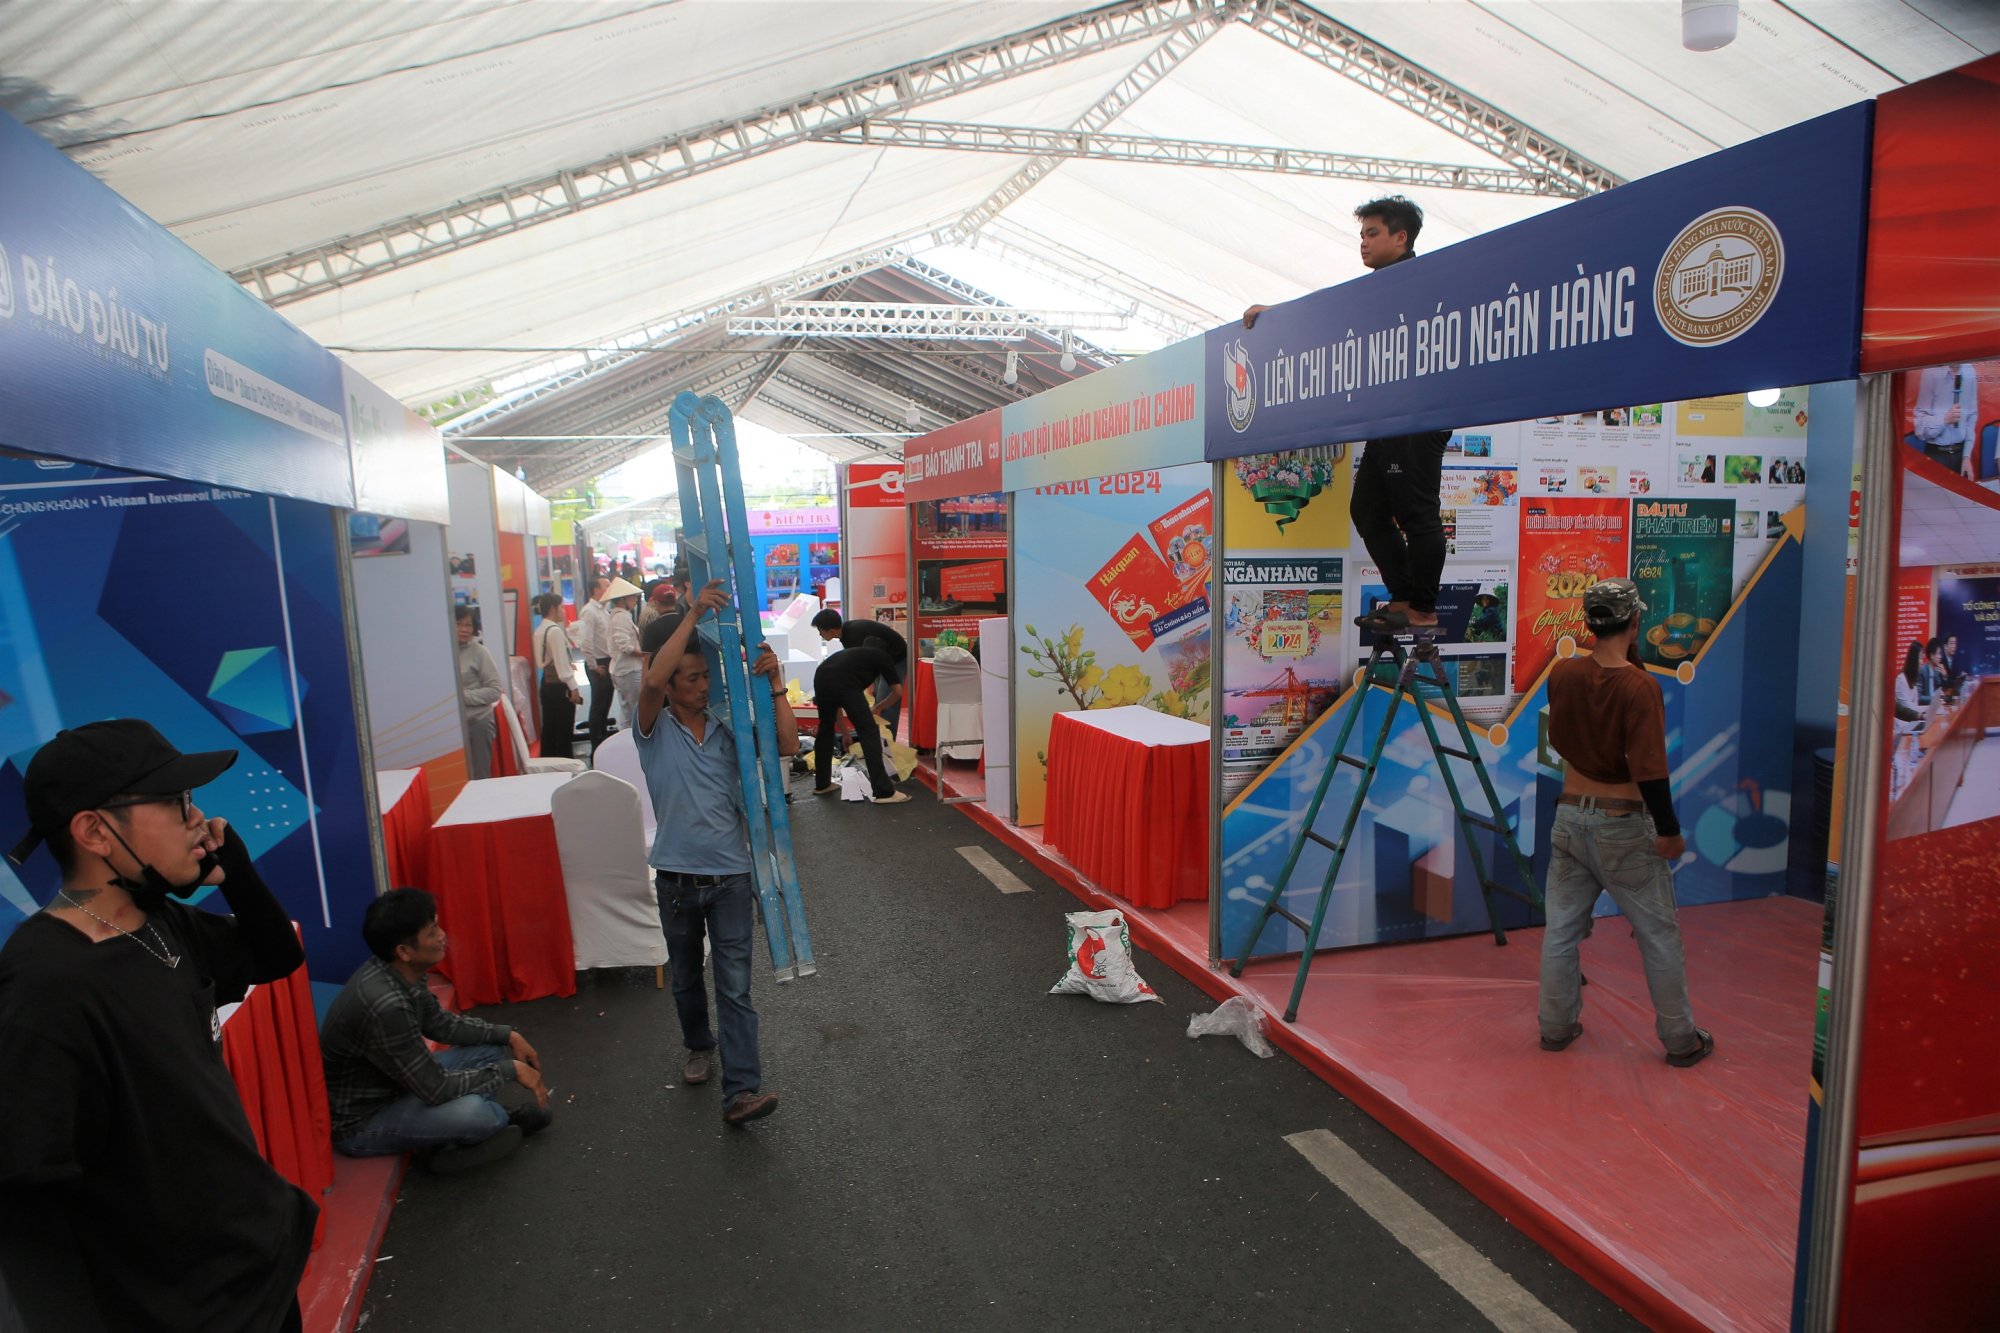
x=1615 y=830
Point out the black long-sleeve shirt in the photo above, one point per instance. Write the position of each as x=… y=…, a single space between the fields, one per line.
x=132 y=1192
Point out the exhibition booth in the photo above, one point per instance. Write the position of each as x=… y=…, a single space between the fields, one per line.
x=210 y=522
x=1168 y=726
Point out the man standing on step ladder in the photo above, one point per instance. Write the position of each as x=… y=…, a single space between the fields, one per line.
x=1615 y=830
x=1397 y=480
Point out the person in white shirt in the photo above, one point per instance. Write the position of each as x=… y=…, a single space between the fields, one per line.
x=556 y=684
x=622 y=637
x=478 y=691
x=1946 y=418
x=593 y=636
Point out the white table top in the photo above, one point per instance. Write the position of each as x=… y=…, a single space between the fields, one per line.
x=392 y=784
x=490 y=800
x=1143 y=725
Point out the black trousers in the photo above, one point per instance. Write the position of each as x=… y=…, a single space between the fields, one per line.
x=851 y=701
x=602 y=692
x=558 y=720
x=1395 y=509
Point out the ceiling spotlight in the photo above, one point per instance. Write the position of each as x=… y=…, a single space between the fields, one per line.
x=911 y=417
x=1708 y=25
x=1012 y=375
x=1068 y=361
x=1762 y=397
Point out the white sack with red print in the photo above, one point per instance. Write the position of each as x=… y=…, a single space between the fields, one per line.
x=1100 y=960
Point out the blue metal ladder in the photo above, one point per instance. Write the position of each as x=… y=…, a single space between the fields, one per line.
x=1392 y=668
x=718 y=546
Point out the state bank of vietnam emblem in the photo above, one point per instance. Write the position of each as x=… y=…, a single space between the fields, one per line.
x=1719 y=276
x=1239 y=385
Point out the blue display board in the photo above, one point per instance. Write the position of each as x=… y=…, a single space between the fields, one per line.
x=1672 y=287
x=215 y=615
x=121 y=346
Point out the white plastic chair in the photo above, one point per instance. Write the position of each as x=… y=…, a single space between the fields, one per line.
x=511 y=721
x=619 y=756
x=521 y=687
x=614 y=917
x=961 y=723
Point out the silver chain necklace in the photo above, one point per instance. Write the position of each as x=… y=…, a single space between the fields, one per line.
x=163 y=953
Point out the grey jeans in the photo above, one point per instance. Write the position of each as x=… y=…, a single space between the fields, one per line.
x=1592 y=852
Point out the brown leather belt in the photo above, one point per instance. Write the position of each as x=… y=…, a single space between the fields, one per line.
x=1611 y=805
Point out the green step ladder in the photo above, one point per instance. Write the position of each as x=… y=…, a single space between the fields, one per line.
x=1391 y=666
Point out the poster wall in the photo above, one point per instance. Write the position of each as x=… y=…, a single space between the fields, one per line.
x=85 y=640
x=959 y=550
x=1113 y=581
x=1927 y=1170
x=873 y=544
x=1538 y=511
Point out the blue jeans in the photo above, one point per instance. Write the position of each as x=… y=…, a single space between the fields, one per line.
x=407 y=1124
x=725 y=914
x=1592 y=852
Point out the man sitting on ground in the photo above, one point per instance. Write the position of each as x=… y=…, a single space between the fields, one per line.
x=387 y=1091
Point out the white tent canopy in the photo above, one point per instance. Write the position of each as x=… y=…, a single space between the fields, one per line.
x=457 y=194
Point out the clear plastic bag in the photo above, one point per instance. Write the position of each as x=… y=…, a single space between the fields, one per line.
x=1236 y=1017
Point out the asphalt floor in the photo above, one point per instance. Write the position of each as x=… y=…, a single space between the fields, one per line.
x=954 y=1147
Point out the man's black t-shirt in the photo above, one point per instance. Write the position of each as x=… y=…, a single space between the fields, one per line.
x=873 y=633
x=852 y=669
x=132 y=1192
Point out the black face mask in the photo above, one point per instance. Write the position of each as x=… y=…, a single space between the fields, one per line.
x=149 y=892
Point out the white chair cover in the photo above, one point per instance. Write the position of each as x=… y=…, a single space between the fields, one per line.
x=619 y=756
x=961 y=723
x=521 y=685
x=614 y=918
x=519 y=740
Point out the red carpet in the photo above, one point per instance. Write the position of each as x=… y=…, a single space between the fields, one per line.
x=1674 y=1191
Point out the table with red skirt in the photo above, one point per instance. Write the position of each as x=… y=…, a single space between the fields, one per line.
x=1127 y=802
x=404 y=797
x=922 y=705
x=270 y=1044
x=499 y=885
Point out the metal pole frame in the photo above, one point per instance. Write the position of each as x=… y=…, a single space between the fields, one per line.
x=1861 y=835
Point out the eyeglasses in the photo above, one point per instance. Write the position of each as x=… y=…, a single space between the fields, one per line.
x=184 y=799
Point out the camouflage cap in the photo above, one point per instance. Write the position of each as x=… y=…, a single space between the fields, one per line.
x=1611 y=602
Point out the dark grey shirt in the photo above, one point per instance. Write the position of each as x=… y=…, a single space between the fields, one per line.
x=372 y=1044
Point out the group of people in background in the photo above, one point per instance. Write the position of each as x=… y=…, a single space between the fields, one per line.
x=1932 y=674
x=605 y=637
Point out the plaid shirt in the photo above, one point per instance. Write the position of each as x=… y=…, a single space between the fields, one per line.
x=373 y=1046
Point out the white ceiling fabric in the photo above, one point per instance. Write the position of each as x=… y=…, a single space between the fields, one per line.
x=258 y=130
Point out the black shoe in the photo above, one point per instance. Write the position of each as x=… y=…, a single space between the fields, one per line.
x=453 y=1159
x=532 y=1119
x=747 y=1106
x=1562 y=1043
x=1682 y=1059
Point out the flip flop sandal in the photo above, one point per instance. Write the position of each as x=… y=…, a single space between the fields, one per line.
x=1694 y=1057
x=1384 y=622
x=1562 y=1043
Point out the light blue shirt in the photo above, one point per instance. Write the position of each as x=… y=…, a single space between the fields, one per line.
x=697 y=797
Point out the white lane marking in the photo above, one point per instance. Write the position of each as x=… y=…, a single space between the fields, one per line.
x=1003 y=879
x=1501 y=1299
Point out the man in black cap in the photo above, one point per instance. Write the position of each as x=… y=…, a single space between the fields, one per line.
x=132 y=1193
x=1615 y=831
x=838 y=687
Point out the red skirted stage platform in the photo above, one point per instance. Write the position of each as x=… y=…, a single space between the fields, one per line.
x=1674 y=1191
